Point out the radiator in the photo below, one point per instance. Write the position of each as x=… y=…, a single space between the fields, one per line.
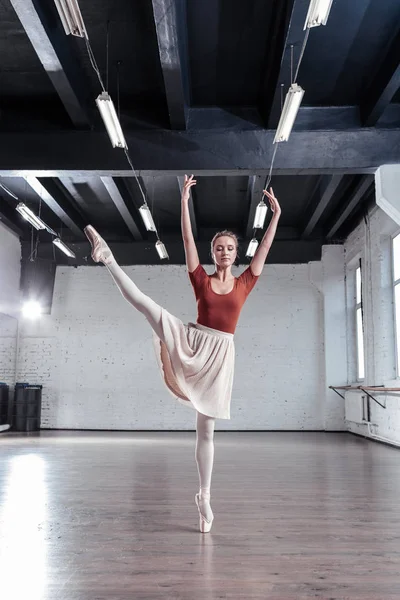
x=353 y=406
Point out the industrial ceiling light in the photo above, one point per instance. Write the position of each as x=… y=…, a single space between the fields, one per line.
x=318 y=13
x=5 y=188
x=290 y=109
x=147 y=218
x=30 y=216
x=252 y=247
x=31 y=309
x=64 y=248
x=161 y=249
x=260 y=215
x=71 y=17
x=111 y=121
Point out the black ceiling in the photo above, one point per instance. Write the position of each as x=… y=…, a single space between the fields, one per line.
x=199 y=86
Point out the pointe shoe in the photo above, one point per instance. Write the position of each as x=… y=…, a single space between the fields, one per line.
x=204 y=524
x=100 y=250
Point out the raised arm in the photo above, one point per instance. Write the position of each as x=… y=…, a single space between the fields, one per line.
x=192 y=257
x=258 y=261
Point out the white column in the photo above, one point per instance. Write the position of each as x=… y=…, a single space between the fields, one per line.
x=335 y=355
x=387 y=189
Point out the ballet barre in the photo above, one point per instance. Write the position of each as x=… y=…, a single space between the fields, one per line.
x=365 y=388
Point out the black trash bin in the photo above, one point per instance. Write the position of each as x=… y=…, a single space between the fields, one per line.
x=4 y=399
x=27 y=407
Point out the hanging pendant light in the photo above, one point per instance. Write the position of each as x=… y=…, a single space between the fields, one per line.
x=260 y=215
x=161 y=249
x=252 y=247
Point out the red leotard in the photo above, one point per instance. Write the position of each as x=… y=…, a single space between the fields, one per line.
x=220 y=311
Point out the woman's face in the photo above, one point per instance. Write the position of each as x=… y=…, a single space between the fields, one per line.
x=224 y=251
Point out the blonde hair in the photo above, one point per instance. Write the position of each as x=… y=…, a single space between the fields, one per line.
x=226 y=233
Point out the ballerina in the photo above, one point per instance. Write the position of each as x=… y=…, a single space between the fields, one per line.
x=197 y=360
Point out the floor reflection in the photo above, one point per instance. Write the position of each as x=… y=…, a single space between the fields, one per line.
x=22 y=530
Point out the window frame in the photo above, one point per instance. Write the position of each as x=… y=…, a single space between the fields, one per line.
x=359 y=307
x=396 y=325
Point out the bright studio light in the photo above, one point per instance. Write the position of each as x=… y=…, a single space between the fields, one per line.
x=31 y=309
x=161 y=249
x=111 y=121
x=30 y=216
x=318 y=13
x=260 y=215
x=147 y=218
x=252 y=247
x=290 y=109
x=64 y=248
x=71 y=17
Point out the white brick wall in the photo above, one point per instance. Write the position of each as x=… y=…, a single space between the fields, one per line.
x=10 y=269
x=95 y=358
x=372 y=242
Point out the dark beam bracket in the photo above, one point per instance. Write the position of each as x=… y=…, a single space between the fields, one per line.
x=169 y=21
x=350 y=202
x=363 y=150
x=144 y=253
x=117 y=196
x=56 y=53
x=327 y=186
x=384 y=85
x=60 y=201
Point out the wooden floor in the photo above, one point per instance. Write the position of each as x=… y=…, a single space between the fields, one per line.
x=112 y=516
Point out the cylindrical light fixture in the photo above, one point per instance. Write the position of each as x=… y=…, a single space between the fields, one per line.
x=318 y=13
x=64 y=248
x=290 y=109
x=111 y=121
x=260 y=215
x=161 y=249
x=30 y=216
x=147 y=218
x=252 y=247
x=71 y=17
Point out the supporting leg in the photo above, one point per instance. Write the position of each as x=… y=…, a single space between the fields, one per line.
x=205 y=460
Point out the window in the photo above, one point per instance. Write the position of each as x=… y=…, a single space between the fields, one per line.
x=396 y=295
x=360 y=325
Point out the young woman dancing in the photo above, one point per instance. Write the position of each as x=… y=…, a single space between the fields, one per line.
x=197 y=360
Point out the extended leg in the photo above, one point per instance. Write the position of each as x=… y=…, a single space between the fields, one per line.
x=150 y=309
x=205 y=460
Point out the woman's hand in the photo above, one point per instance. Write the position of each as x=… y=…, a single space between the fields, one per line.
x=276 y=209
x=187 y=184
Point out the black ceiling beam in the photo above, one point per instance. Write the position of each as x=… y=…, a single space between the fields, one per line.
x=175 y=153
x=60 y=201
x=383 y=86
x=287 y=30
x=56 y=53
x=192 y=203
x=117 y=196
x=254 y=195
x=170 y=25
x=355 y=196
x=144 y=253
x=326 y=188
x=349 y=30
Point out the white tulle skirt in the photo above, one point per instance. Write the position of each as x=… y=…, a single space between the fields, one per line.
x=197 y=365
